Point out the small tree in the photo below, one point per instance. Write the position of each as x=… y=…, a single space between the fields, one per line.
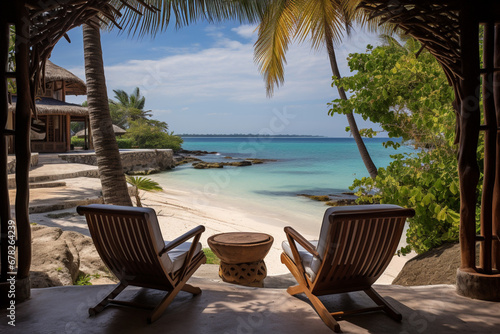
x=410 y=98
x=128 y=108
x=142 y=183
x=153 y=134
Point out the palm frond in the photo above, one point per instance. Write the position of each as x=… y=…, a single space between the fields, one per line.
x=322 y=19
x=143 y=183
x=276 y=29
x=138 y=21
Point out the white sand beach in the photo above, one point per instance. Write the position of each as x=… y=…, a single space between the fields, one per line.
x=180 y=210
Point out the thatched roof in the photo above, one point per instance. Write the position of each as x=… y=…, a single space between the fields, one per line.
x=49 y=106
x=117 y=130
x=74 y=85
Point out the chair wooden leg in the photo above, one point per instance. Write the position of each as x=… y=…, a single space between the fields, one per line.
x=295 y=290
x=327 y=318
x=158 y=311
x=99 y=307
x=191 y=289
x=381 y=302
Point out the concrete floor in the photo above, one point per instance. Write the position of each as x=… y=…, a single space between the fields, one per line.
x=224 y=308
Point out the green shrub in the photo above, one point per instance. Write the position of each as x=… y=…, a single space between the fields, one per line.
x=124 y=142
x=75 y=141
x=409 y=97
x=152 y=134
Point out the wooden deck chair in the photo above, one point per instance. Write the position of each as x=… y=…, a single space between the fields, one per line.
x=129 y=241
x=355 y=245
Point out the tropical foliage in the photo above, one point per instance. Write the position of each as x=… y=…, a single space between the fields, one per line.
x=128 y=108
x=138 y=20
x=142 y=183
x=12 y=59
x=323 y=23
x=410 y=98
x=152 y=134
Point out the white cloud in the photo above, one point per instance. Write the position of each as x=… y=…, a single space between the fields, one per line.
x=201 y=89
x=225 y=71
x=246 y=30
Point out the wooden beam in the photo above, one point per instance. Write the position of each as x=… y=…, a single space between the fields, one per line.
x=68 y=133
x=23 y=152
x=490 y=139
x=469 y=132
x=495 y=258
x=4 y=186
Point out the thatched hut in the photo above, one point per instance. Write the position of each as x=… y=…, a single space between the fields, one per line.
x=50 y=130
x=116 y=129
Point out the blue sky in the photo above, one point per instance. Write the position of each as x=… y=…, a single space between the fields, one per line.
x=202 y=79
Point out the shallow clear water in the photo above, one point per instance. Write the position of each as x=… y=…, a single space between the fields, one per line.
x=304 y=165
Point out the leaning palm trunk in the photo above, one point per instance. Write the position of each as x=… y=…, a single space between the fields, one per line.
x=114 y=187
x=367 y=160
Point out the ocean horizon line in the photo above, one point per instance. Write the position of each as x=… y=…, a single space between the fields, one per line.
x=268 y=136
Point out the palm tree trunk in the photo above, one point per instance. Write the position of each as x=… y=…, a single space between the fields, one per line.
x=114 y=187
x=367 y=160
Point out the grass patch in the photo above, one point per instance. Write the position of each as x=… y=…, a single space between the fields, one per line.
x=211 y=257
x=84 y=279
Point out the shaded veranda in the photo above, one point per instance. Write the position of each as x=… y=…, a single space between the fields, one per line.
x=449 y=29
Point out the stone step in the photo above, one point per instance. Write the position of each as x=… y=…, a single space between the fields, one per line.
x=48 y=173
x=62 y=205
x=50 y=184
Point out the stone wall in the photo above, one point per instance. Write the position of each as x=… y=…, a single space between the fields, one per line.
x=133 y=161
x=11 y=162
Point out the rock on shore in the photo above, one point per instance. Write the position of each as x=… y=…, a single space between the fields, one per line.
x=60 y=257
x=437 y=266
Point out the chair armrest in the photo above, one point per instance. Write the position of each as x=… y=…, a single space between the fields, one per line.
x=198 y=230
x=297 y=237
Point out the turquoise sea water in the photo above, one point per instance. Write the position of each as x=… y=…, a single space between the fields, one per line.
x=309 y=165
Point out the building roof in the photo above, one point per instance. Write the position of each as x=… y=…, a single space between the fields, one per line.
x=49 y=106
x=116 y=129
x=74 y=85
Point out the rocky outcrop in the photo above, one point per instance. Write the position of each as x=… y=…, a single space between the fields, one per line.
x=181 y=160
x=206 y=165
x=196 y=152
x=333 y=200
x=437 y=266
x=59 y=258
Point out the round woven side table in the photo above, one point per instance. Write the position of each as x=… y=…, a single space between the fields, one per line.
x=242 y=256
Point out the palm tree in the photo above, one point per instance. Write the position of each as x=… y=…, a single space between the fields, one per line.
x=142 y=183
x=114 y=187
x=149 y=17
x=128 y=108
x=324 y=21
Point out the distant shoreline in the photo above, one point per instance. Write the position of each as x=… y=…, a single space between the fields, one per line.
x=251 y=136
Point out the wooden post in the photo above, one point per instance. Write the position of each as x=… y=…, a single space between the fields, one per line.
x=490 y=139
x=23 y=152
x=469 y=133
x=496 y=194
x=4 y=187
x=68 y=133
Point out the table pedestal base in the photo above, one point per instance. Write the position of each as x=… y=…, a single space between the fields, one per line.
x=249 y=274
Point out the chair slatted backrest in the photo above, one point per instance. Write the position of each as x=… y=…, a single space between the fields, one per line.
x=359 y=245
x=128 y=240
